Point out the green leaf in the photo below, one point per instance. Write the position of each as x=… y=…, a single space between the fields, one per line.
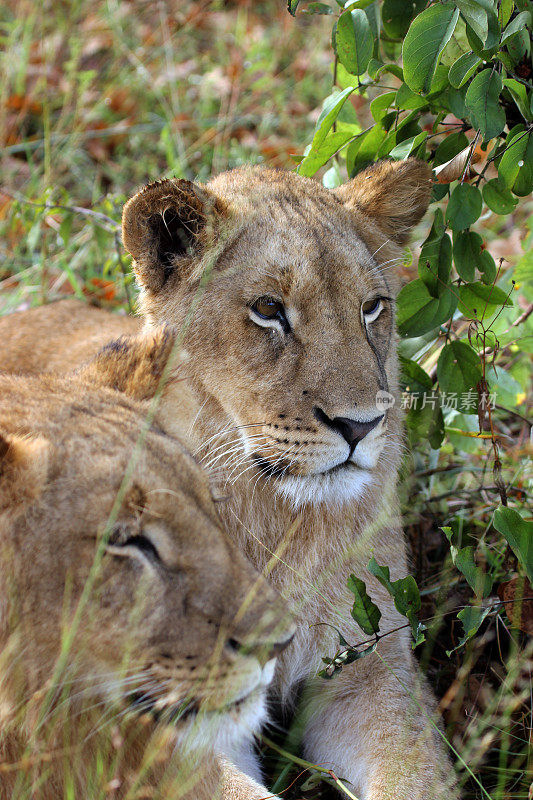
x=516 y=165
x=435 y=434
x=523 y=184
x=519 y=534
x=479 y=582
x=417 y=629
x=405 y=594
x=471 y=617
x=419 y=312
x=482 y=103
x=394 y=69
x=101 y=236
x=519 y=94
x=425 y=420
x=358 y=4
x=465 y=245
x=318 y=8
x=332 y=177
x=454 y=101
x=405 y=148
x=498 y=197
x=348 y=656
x=415 y=380
x=468 y=254
x=449 y=147
x=380 y=104
x=398 y=131
x=406 y=99
x=435 y=262
x=510 y=163
x=504 y=11
x=329 y=114
x=485 y=48
x=440 y=81
x=364 y=611
x=396 y=16
x=354 y=41
x=426 y=38
x=458 y=368
x=362 y=151
x=521 y=21
x=506 y=388
x=475 y=15
x=463 y=69
x=464 y=207
x=404 y=591
x=519 y=46
x=292 y=5
x=381 y=573
x=477 y=299
x=317 y=156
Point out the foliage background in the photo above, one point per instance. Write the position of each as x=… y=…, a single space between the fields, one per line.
x=97 y=98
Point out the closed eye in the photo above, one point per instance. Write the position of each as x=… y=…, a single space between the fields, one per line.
x=121 y=544
x=143 y=544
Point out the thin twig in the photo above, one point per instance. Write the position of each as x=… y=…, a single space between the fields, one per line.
x=470 y=154
x=523 y=317
x=102 y=219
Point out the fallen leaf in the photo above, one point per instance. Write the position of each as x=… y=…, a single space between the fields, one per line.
x=453 y=169
x=100 y=289
x=517 y=594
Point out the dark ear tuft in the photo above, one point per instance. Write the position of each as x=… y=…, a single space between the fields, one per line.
x=4 y=446
x=175 y=236
x=132 y=364
x=394 y=194
x=165 y=225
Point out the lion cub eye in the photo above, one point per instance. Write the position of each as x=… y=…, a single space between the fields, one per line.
x=268 y=309
x=372 y=309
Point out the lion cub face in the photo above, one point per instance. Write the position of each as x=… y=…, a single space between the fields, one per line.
x=294 y=333
x=113 y=564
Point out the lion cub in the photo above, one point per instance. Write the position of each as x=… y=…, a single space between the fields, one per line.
x=131 y=627
x=284 y=293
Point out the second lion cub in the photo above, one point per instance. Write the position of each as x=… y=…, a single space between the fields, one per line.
x=136 y=642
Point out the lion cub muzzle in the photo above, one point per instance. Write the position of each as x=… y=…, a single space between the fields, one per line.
x=350 y=429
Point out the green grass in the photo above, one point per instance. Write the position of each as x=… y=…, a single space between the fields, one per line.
x=98 y=98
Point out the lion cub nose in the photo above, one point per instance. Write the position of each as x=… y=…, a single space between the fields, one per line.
x=351 y=430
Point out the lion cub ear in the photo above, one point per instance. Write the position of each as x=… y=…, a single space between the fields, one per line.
x=133 y=364
x=165 y=224
x=394 y=194
x=23 y=469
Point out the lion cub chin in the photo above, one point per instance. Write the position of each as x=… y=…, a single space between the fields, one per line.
x=135 y=639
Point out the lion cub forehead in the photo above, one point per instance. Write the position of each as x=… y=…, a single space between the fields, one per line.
x=297 y=258
x=291 y=219
x=259 y=184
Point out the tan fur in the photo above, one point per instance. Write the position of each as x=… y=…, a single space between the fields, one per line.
x=191 y=626
x=58 y=337
x=247 y=399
